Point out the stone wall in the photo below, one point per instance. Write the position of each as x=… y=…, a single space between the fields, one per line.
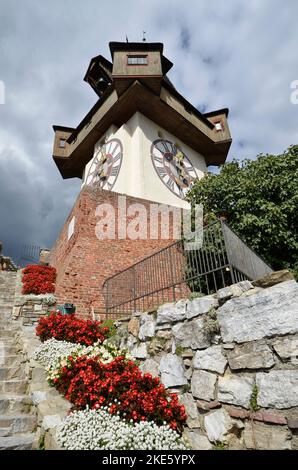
x=233 y=359
x=30 y=311
x=29 y=308
x=51 y=407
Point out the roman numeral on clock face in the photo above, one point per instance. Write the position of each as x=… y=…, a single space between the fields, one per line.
x=165 y=147
x=158 y=160
x=114 y=171
x=106 y=165
x=172 y=166
x=162 y=172
x=117 y=157
x=170 y=184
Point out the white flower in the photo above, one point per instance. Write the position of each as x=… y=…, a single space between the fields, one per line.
x=97 y=429
x=53 y=354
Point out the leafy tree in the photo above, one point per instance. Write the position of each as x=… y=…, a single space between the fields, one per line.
x=259 y=199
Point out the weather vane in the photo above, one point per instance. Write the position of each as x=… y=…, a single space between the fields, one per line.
x=144 y=38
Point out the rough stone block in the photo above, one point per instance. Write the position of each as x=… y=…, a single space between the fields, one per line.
x=266 y=437
x=253 y=355
x=197 y=440
x=172 y=371
x=210 y=359
x=191 y=334
x=217 y=425
x=199 y=306
x=235 y=390
x=276 y=277
x=134 y=326
x=287 y=348
x=277 y=389
x=147 y=327
x=171 y=313
x=273 y=311
x=139 y=351
x=51 y=421
x=191 y=410
x=203 y=385
x=150 y=366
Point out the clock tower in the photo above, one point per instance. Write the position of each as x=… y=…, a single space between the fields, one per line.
x=141 y=139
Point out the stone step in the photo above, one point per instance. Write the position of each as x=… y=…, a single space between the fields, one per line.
x=8 y=321
x=10 y=328
x=20 y=442
x=17 y=424
x=10 y=360
x=6 y=307
x=8 y=349
x=8 y=341
x=5 y=313
x=13 y=386
x=6 y=296
x=6 y=334
x=13 y=372
x=11 y=403
x=7 y=301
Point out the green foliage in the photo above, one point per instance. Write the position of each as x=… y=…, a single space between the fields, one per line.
x=253 y=404
x=210 y=323
x=195 y=295
x=294 y=270
x=41 y=443
x=109 y=323
x=179 y=350
x=220 y=446
x=186 y=388
x=152 y=311
x=259 y=200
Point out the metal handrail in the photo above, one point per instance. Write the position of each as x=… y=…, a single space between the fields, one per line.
x=222 y=260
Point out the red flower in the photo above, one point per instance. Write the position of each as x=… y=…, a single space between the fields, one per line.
x=72 y=329
x=38 y=279
x=86 y=381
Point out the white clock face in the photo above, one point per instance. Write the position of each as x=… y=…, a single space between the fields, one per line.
x=173 y=167
x=106 y=164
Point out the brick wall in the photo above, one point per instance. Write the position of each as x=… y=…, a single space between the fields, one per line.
x=83 y=262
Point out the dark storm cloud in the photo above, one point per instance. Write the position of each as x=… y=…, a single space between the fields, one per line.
x=241 y=55
x=185 y=38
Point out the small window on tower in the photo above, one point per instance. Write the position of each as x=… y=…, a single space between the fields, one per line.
x=62 y=143
x=218 y=126
x=137 y=60
x=71 y=227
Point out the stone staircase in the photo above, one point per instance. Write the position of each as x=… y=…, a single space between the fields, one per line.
x=17 y=414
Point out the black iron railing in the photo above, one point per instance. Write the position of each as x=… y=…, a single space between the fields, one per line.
x=173 y=272
x=29 y=255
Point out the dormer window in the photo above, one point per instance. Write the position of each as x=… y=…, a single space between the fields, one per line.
x=137 y=60
x=62 y=143
x=218 y=126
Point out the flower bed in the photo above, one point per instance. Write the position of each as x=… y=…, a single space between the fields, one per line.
x=116 y=405
x=89 y=382
x=53 y=354
x=71 y=329
x=98 y=430
x=38 y=279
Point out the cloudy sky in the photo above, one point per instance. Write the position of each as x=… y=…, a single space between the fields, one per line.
x=236 y=54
